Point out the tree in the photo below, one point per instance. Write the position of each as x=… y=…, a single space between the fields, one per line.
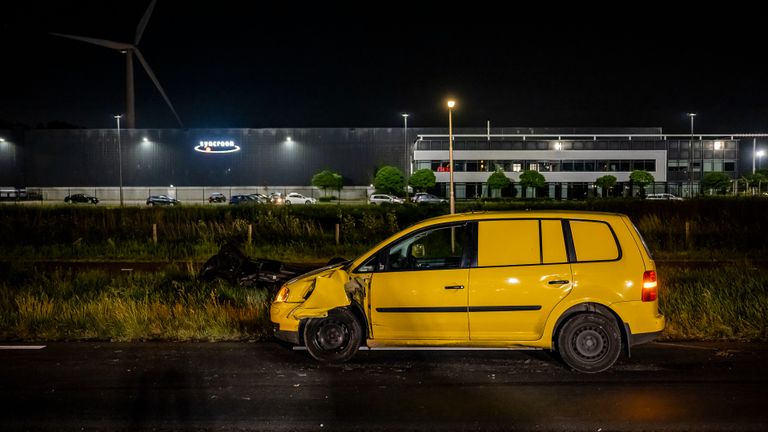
x=498 y=181
x=422 y=179
x=389 y=180
x=605 y=182
x=757 y=179
x=641 y=178
x=534 y=179
x=717 y=181
x=327 y=180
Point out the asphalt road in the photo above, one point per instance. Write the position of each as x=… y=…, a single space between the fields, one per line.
x=267 y=386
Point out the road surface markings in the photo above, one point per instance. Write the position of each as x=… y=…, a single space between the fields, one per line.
x=21 y=347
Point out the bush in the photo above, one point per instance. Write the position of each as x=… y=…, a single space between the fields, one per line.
x=327 y=198
x=707 y=224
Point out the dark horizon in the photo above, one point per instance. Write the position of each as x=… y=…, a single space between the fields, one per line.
x=231 y=64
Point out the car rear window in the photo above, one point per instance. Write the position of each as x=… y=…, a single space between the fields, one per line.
x=594 y=241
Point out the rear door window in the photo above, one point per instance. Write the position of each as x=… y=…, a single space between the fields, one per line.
x=508 y=242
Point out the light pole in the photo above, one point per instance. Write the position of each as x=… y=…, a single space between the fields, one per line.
x=690 y=157
x=451 y=104
x=407 y=170
x=119 y=158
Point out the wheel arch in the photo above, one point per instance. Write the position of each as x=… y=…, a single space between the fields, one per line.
x=357 y=312
x=591 y=307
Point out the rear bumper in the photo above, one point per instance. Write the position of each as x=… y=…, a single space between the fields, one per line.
x=641 y=338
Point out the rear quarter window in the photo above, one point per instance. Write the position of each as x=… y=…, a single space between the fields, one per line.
x=594 y=241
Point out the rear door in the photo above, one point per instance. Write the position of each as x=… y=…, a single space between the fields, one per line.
x=522 y=273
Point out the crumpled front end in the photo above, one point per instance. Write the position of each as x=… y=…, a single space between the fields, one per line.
x=312 y=296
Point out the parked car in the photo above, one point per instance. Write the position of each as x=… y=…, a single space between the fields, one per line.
x=663 y=196
x=384 y=199
x=582 y=284
x=276 y=198
x=422 y=197
x=297 y=198
x=156 y=200
x=81 y=198
x=217 y=197
x=260 y=198
x=242 y=199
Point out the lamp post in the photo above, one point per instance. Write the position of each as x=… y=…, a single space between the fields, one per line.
x=407 y=170
x=451 y=104
x=690 y=157
x=119 y=158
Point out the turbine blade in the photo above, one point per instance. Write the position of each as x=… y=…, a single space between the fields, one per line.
x=101 y=42
x=143 y=22
x=157 y=83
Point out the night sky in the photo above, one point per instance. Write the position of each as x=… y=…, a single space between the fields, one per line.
x=325 y=64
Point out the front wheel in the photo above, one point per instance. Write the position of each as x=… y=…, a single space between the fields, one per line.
x=335 y=338
x=589 y=343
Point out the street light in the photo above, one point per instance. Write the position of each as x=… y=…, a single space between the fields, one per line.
x=690 y=157
x=760 y=154
x=451 y=104
x=407 y=170
x=119 y=158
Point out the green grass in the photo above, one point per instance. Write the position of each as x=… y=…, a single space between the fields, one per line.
x=729 y=303
x=94 y=305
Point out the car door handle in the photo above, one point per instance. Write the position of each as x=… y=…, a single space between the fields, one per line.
x=455 y=287
x=558 y=282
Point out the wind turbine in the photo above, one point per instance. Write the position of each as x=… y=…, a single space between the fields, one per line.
x=129 y=50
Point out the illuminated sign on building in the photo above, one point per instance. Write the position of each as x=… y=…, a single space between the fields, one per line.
x=217 y=147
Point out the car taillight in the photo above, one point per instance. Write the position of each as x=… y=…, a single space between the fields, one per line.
x=650 y=286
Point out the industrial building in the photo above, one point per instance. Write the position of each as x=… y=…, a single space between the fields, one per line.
x=570 y=159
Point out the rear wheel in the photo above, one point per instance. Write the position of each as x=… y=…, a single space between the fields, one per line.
x=589 y=342
x=335 y=338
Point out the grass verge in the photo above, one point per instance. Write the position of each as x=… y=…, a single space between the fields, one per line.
x=726 y=303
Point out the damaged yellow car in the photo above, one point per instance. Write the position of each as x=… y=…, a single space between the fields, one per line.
x=582 y=284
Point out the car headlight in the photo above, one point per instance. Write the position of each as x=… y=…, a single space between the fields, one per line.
x=282 y=295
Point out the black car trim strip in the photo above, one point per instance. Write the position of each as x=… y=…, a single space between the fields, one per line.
x=458 y=309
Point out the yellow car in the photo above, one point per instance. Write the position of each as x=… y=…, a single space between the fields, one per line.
x=582 y=284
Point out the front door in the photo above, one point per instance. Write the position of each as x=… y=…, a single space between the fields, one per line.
x=421 y=294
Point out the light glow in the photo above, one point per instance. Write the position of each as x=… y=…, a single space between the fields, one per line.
x=718 y=145
x=451 y=103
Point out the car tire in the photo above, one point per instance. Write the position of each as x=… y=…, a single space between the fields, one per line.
x=335 y=338
x=287 y=202
x=307 y=202
x=589 y=342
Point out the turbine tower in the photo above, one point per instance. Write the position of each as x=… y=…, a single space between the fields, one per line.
x=129 y=50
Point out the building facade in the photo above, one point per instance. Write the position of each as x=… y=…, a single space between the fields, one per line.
x=571 y=163
x=569 y=159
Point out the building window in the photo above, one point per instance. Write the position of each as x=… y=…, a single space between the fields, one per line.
x=517 y=167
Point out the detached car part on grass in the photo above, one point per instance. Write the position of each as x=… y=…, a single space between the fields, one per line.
x=234 y=266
